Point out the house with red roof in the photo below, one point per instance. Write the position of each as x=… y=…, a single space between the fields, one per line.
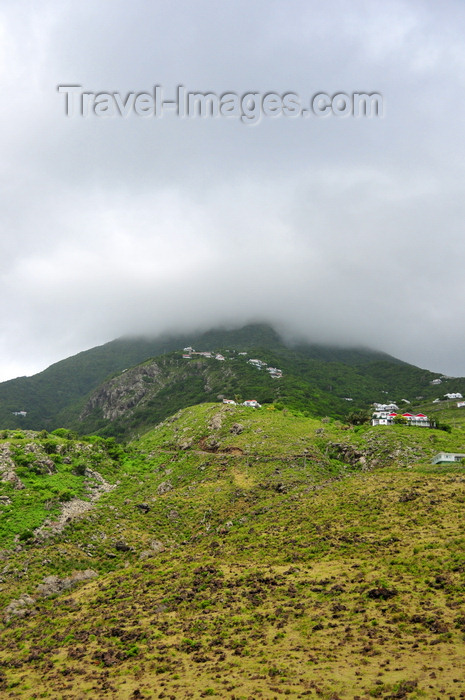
x=419 y=420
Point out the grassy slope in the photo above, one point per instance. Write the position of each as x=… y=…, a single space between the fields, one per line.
x=315 y=377
x=277 y=548
x=310 y=384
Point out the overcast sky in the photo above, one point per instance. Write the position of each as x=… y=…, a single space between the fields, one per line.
x=340 y=229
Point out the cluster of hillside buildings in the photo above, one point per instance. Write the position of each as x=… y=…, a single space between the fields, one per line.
x=251 y=403
x=188 y=353
x=388 y=418
x=274 y=372
x=386 y=414
x=259 y=364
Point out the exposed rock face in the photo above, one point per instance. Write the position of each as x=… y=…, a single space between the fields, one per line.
x=185 y=444
x=164 y=487
x=54 y=584
x=156 y=547
x=96 y=486
x=21 y=607
x=121 y=394
x=7 y=467
x=13 y=478
x=216 y=422
x=347 y=453
x=236 y=429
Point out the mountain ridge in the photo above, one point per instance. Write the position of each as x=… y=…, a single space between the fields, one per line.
x=57 y=396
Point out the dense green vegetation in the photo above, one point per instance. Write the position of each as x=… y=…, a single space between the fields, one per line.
x=316 y=379
x=240 y=554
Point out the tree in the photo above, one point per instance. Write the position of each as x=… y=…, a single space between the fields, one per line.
x=358 y=417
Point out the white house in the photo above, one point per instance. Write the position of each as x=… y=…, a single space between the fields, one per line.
x=454 y=396
x=418 y=420
x=436 y=381
x=386 y=406
x=252 y=403
x=448 y=457
x=275 y=372
x=460 y=404
x=230 y=401
x=383 y=418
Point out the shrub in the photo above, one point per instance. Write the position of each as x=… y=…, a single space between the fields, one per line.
x=80 y=469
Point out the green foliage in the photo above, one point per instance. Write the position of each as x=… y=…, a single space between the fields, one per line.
x=287 y=562
x=360 y=417
x=316 y=378
x=444 y=426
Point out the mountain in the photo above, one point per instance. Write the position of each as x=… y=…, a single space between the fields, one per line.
x=317 y=379
x=232 y=553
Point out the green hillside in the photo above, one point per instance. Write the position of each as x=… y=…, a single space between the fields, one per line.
x=316 y=379
x=52 y=395
x=235 y=553
x=129 y=403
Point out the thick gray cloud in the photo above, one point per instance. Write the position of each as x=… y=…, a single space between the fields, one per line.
x=337 y=229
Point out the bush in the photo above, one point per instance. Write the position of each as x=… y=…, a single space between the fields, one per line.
x=80 y=469
x=26 y=535
x=50 y=447
x=65 y=434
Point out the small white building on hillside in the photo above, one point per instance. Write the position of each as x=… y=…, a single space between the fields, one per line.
x=386 y=406
x=448 y=457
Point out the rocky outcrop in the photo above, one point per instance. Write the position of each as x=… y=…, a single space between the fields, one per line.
x=7 y=467
x=164 y=487
x=96 y=485
x=20 y=607
x=52 y=585
x=216 y=422
x=121 y=394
